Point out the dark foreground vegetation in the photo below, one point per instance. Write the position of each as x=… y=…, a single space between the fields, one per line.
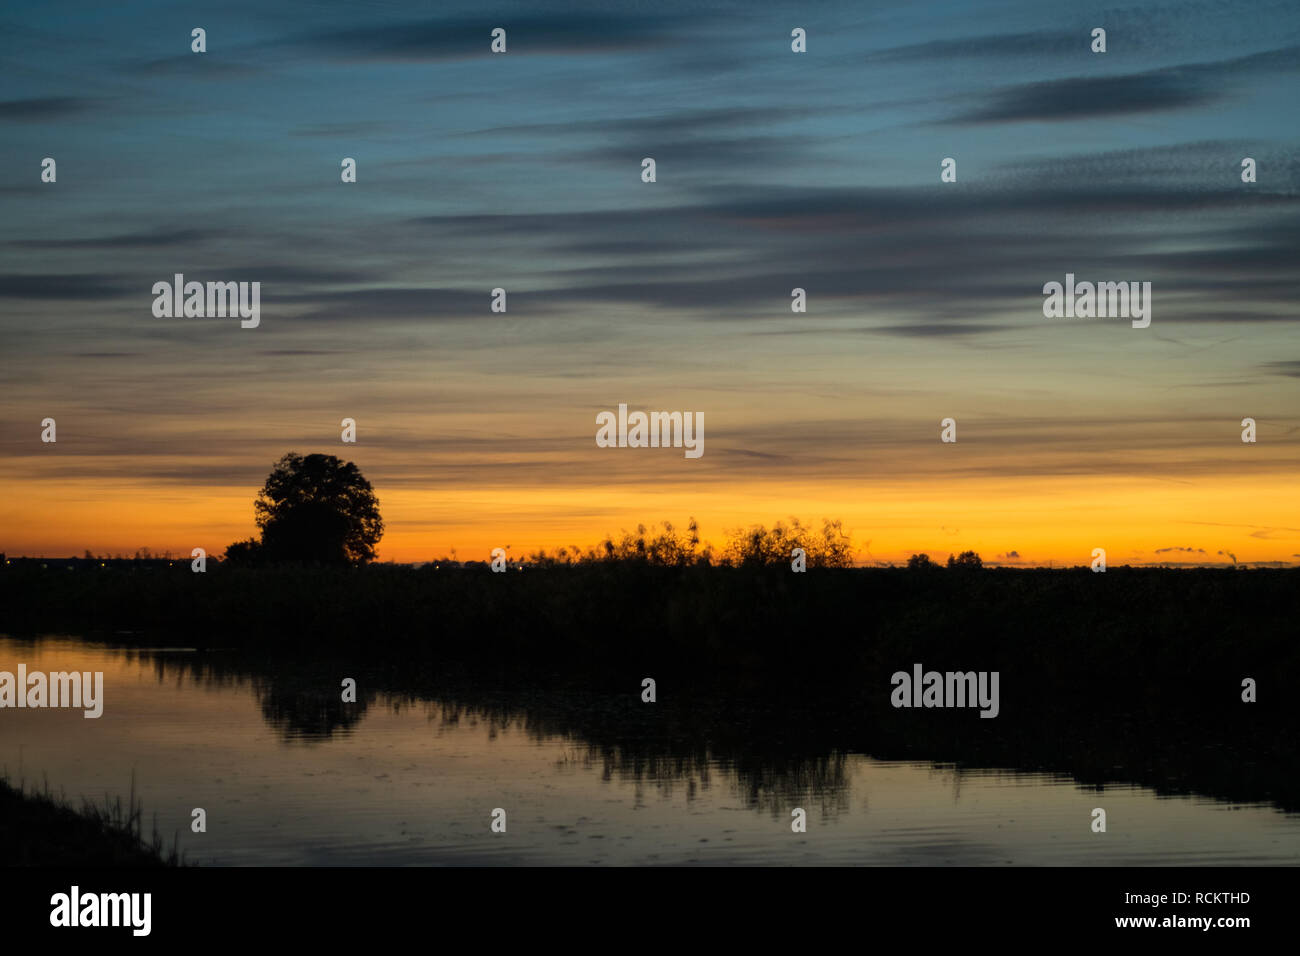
x=39 y=829
x=1134 y=674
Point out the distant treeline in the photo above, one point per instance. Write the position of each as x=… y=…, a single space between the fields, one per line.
x=663 y=545
x=666 y=546
x=700 y=622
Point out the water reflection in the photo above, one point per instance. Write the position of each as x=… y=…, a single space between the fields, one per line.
x=291 y=774
x=774 y=751
x=299 y=711
x=615 y=737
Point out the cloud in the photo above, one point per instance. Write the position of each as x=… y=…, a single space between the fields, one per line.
x=280 y=280
x=1191 y=167
x=67 y=286
x=1290 y=368
x=43 y=108
x=947 y=260
x=699 y=154
x=924 y=263
x=464 y=38
x=941 y=329
x=137 y=240
x=1156 y=91
x=1090 y=97
x=420 y=303
x=293 y=352
x=344 y=130
x=995 y=46
x=199 y=65
x=1184 y=550
x=668 y=124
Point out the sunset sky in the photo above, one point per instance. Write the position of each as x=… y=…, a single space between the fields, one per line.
x=775 y=170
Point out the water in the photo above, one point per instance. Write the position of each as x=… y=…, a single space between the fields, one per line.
x=286 y=781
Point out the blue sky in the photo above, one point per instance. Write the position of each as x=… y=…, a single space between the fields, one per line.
x=775 y=170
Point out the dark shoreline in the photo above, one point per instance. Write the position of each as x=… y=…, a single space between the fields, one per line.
x=39 y=829
x=1133 y=675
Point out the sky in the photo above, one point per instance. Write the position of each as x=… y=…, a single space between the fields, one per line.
x=774 y=170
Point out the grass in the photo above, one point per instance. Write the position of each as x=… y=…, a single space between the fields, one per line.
x=39 y=828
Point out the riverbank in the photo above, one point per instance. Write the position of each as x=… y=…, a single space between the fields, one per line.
x=1134 y=674
x=39 y=829
x=707 y=626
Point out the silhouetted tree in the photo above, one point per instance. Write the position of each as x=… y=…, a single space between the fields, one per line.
x=967 y=559
x=316 y=509
x=920 y=562
x=759 y=546
x=244 y=553
x=664 y=546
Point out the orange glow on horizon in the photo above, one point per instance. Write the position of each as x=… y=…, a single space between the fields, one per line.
x=1020 y=521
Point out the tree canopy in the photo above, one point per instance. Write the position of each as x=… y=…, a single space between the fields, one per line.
x=314 y=509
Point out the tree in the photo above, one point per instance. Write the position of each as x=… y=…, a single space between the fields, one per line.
x=967 y=559
x=315 y=509
x=244 y=553
x=758 y=546
x=919 y=562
